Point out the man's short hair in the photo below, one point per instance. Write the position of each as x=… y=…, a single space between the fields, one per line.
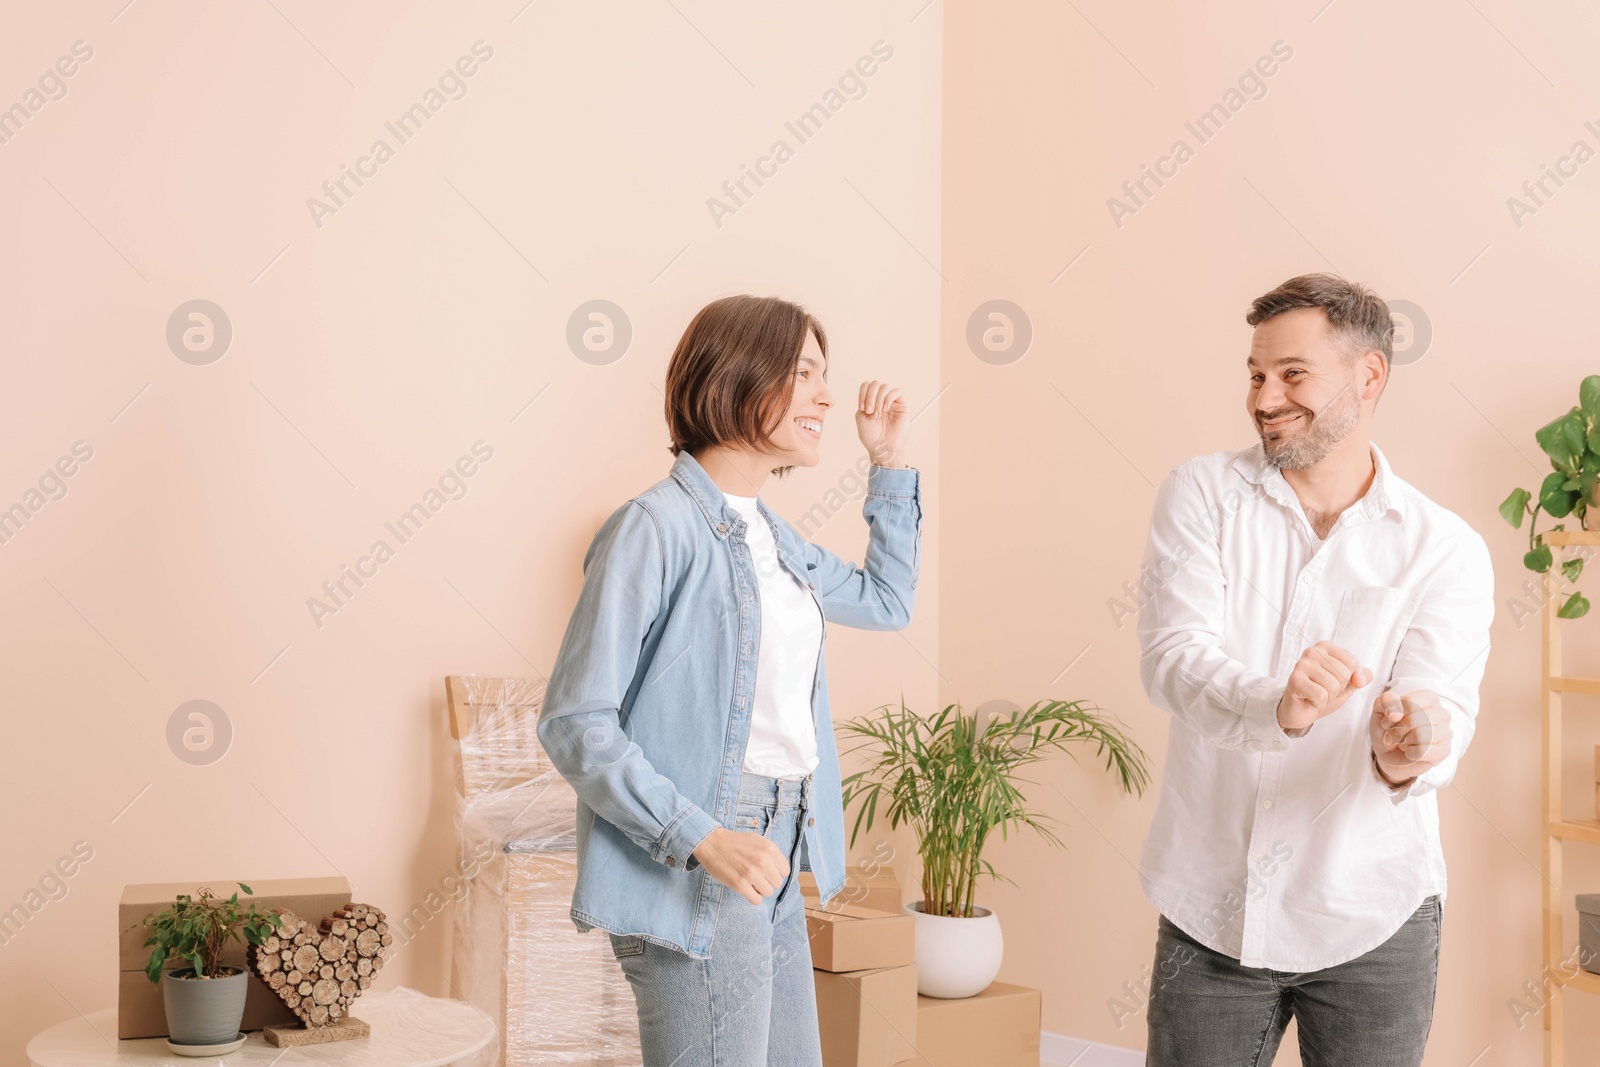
x=731 y=378
x=1358 y=315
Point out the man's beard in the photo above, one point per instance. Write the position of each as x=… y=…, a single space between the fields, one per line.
x=1319 y=436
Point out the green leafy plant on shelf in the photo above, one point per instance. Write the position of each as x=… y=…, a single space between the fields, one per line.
x=199 y=930
x=1573 y=444
x=954 y=780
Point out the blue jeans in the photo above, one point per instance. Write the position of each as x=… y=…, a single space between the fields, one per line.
x=1373 y=1011
x=753 y=1001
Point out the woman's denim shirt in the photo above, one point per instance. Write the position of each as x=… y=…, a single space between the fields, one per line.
x=647 y=710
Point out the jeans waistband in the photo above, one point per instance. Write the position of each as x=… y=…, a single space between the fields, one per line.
x=782 y=792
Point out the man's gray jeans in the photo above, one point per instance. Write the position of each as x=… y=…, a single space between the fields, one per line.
x=1373 y=1011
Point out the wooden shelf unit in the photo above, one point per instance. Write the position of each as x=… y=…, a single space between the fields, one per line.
x=1556 y=828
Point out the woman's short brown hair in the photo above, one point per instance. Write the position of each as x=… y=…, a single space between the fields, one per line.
x=731 y=377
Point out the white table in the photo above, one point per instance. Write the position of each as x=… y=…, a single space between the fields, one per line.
x=409 y=1029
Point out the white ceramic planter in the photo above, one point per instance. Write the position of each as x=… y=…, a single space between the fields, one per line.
x=956 y=957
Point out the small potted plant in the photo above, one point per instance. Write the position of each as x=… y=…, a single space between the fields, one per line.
x=205 y=1000
x=953 y=777
x=1572 y=443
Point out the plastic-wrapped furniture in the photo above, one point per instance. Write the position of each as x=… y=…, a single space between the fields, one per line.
x=558 y=994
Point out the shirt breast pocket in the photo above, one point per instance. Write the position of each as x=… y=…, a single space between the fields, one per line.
x=1370 y=624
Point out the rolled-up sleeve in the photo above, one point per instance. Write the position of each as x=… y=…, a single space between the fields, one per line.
x=1445 y=650
x=1182 y=663
x=580 y=722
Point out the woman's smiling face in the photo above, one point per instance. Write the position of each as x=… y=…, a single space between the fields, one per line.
x=796 y=440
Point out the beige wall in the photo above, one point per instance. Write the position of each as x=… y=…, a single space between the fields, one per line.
x=420 y=317
x=1385 y=148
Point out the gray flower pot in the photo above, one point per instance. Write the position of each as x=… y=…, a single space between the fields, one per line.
x=204 y=1011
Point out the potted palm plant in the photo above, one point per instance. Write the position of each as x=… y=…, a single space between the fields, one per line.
x=954 y=778
x=205 y=1000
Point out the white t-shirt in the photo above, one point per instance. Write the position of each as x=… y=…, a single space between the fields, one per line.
x=783 y=737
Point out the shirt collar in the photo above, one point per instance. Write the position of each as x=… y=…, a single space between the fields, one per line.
x=706 y=494
x=687 y=472
x=1382 y=496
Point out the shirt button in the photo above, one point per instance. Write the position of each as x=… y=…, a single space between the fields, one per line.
x=722 y=527
x=811 y=822
x=671 y=862
x=1278 y=743
x=1266 y=803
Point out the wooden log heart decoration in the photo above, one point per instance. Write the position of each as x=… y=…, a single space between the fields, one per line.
x=320 y=972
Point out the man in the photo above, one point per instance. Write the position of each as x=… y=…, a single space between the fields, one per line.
x=1317 y=630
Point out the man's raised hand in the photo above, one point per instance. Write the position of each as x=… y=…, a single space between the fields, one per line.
x=1320 y=683
x=1410 y=734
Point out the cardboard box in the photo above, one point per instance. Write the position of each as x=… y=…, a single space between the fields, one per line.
x=997 y=1028
x=141 y=1011
x=852 y=938
x=864 y=887
x=869 y=1018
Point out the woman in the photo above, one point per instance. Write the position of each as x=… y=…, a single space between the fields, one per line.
x=688 y=704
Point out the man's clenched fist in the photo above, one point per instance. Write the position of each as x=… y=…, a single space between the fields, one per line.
x=1319 y=685
x=1410 y=734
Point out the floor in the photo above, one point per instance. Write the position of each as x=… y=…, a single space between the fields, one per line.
x=1058 y=1050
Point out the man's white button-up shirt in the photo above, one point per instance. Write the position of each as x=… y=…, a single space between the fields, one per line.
x=1292 y=852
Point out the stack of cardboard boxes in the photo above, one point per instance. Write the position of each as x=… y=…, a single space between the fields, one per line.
x=866 y=975
x=863 y=952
